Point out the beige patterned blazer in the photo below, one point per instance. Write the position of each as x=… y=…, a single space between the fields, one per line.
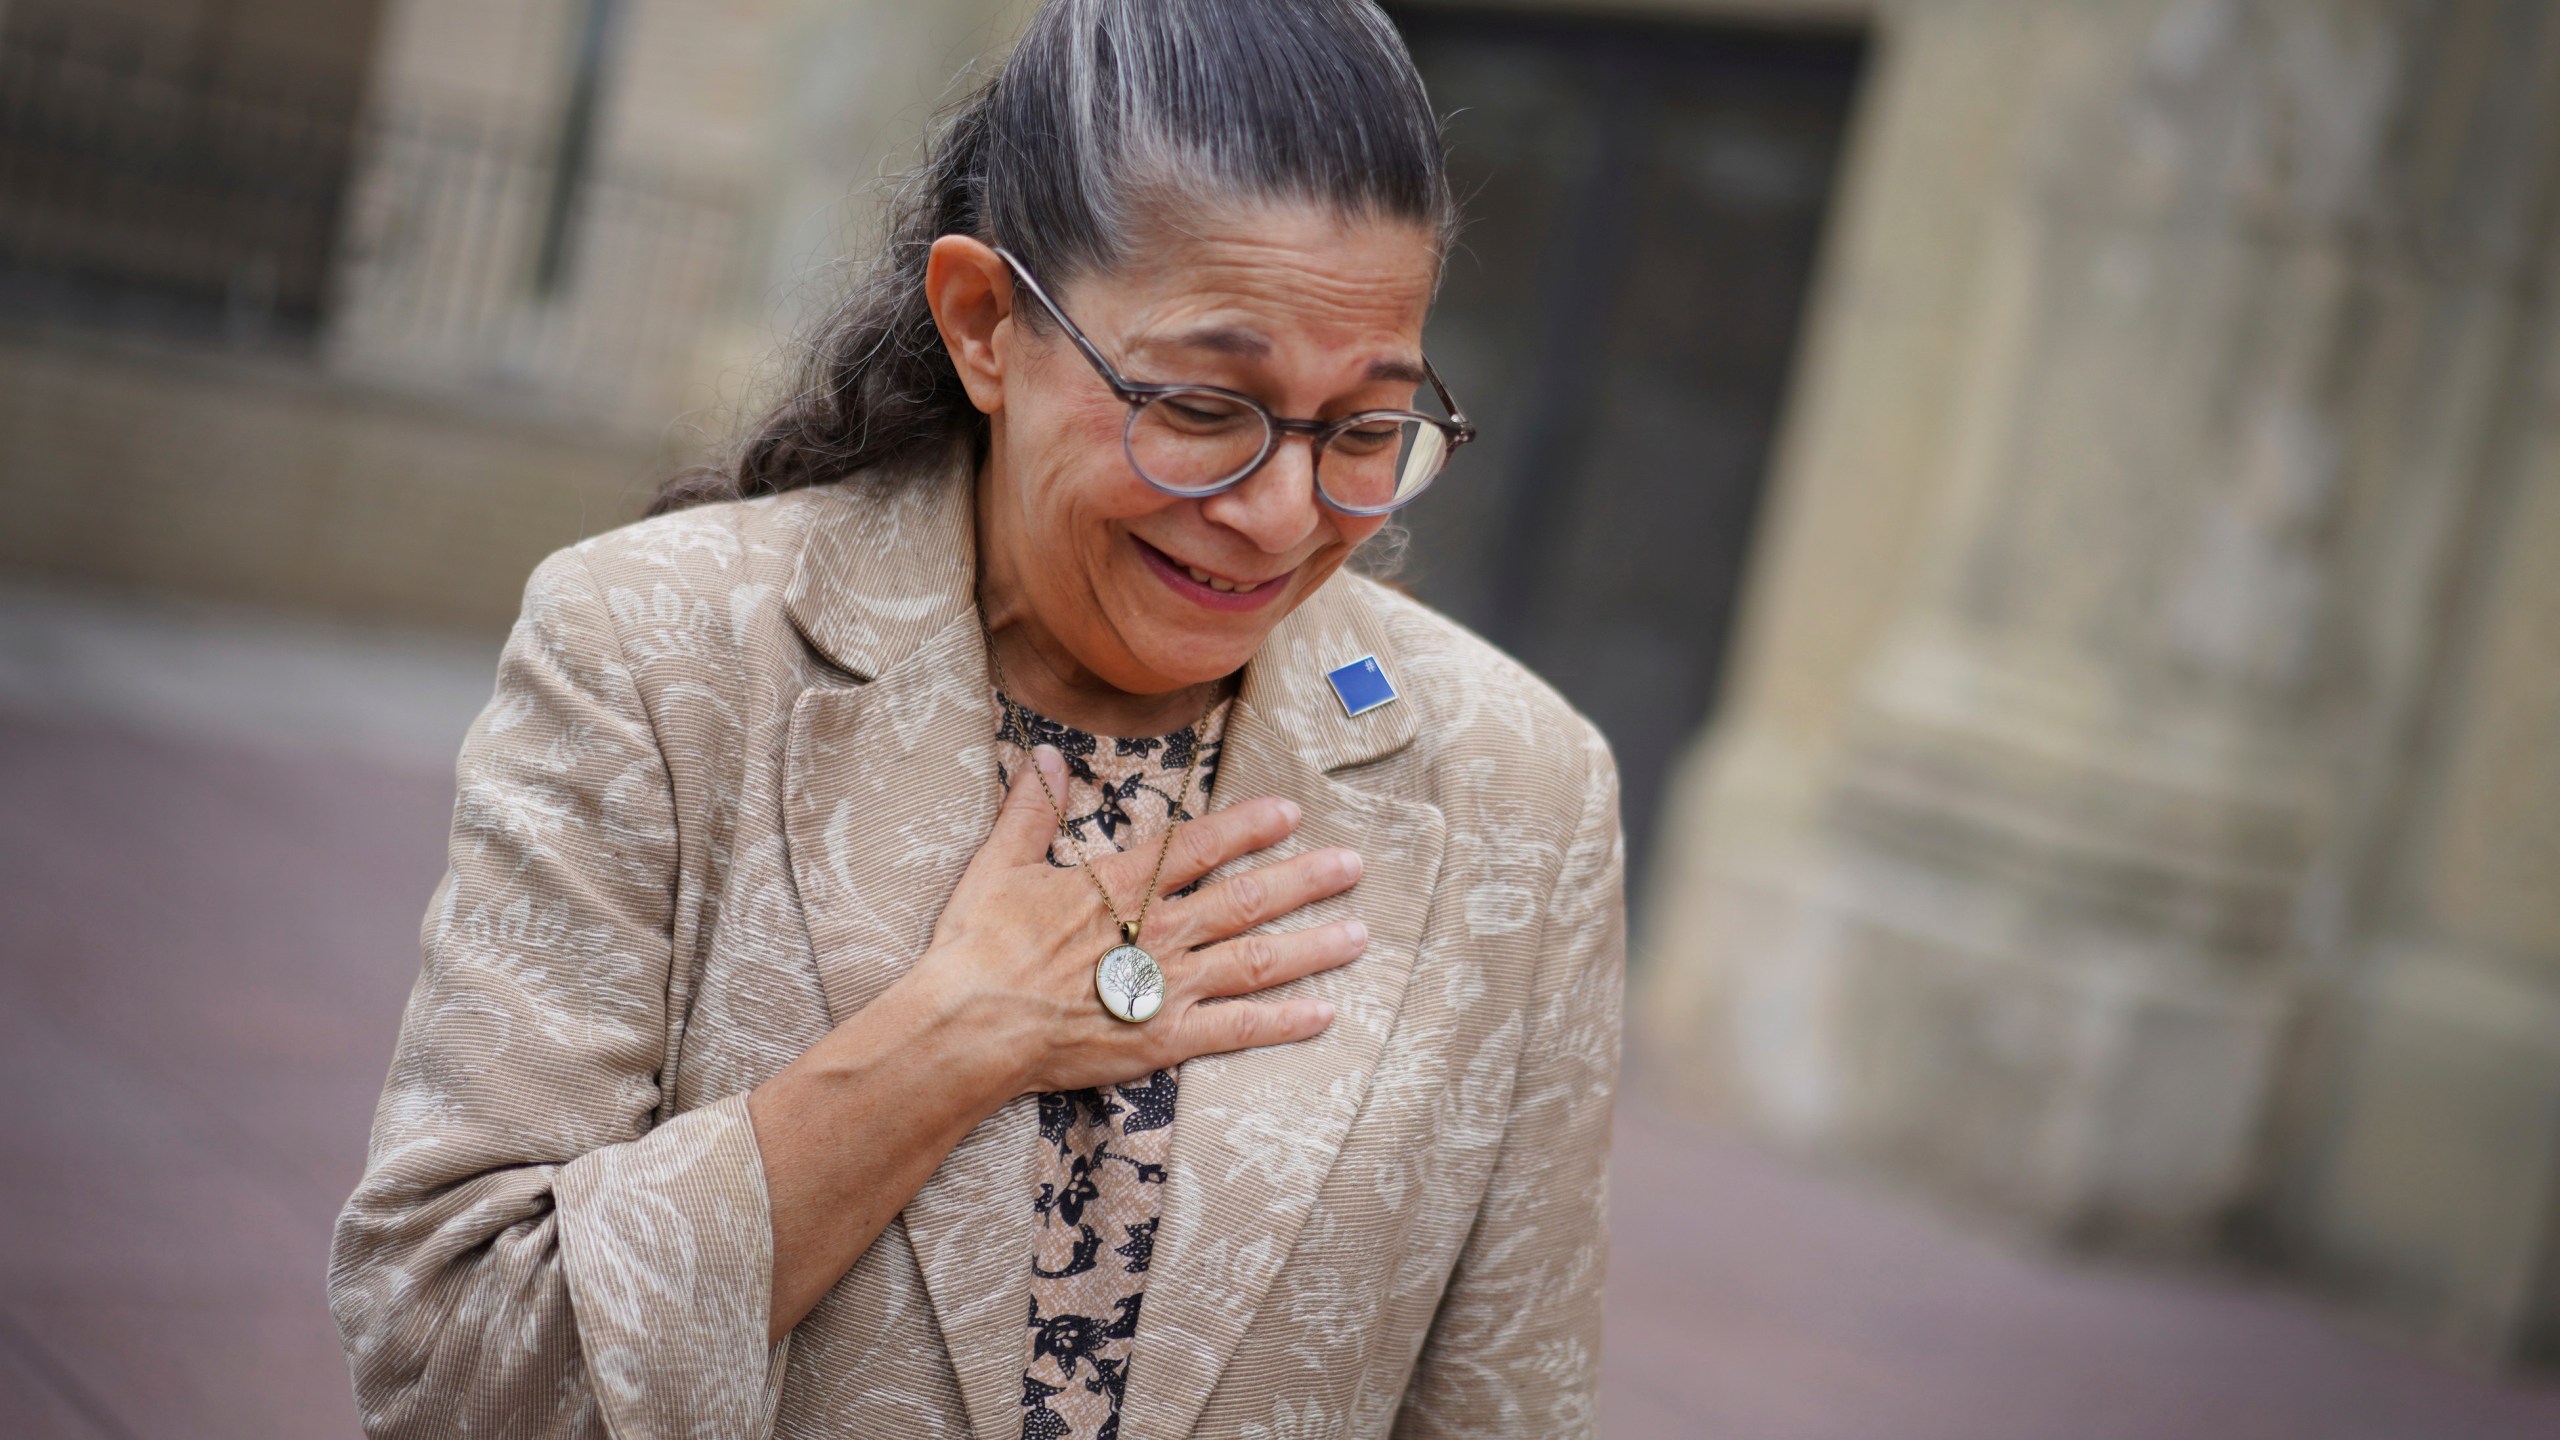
x=736 y=761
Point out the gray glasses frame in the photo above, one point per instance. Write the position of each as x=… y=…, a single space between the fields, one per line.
x=1320 y=433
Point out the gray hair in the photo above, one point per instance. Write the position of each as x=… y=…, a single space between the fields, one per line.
x=1108 y=114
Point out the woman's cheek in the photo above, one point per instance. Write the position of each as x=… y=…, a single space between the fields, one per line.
x=1355 y=532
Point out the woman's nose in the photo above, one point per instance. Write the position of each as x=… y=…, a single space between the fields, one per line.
x=1276 y=507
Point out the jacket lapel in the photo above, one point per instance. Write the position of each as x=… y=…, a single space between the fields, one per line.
x=1256 y=1133
x=890 y=788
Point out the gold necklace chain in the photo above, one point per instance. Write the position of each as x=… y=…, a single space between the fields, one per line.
x=1013 y=731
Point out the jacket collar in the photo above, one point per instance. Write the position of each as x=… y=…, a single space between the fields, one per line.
x=883 y=570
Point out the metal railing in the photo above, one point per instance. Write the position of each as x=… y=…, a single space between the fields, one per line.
x=221 y=205
x=441 y=272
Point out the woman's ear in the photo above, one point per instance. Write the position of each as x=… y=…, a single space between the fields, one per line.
x=970 y=291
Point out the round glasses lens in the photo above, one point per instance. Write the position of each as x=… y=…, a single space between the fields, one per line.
x=1382 y=462
x=1196 y=439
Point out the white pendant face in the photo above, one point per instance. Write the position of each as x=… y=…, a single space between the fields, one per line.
x=1130 y=983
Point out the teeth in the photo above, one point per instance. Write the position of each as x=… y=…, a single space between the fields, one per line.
x=1223 y=587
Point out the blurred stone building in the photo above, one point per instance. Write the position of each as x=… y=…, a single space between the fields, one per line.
x=362 y=306
x=2136 y=806
x=2114 y=436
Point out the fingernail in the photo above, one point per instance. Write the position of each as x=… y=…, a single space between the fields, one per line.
x=1356 y=933
x=1289 y=812
x=1349 y=860
x=1324 y=1013
x=1049 y=760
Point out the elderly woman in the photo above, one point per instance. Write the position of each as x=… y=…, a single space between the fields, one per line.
x=995 y=932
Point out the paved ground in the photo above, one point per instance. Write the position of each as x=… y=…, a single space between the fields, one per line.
x=207 y=941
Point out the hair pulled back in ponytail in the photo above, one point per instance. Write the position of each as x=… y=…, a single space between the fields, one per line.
x=1105 y=109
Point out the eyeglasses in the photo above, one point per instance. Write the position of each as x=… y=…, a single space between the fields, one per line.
x=1196 y=440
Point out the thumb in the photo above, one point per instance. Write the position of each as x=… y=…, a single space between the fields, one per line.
x=1027 y=822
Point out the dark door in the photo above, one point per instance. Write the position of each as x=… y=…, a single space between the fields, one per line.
x=1645 y=203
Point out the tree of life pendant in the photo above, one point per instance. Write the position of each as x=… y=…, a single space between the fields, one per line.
x=1130 y=983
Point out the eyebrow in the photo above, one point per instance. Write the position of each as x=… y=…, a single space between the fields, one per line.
x=1252 y=344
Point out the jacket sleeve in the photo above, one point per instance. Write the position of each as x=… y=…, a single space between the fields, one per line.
x=1515 y=1347
x=536 y=1249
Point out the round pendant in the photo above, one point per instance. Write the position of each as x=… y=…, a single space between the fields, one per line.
x=1130 y=983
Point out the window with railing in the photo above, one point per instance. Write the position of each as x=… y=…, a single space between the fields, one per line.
x=442 y=271
x=151 y=187
x=149 y=183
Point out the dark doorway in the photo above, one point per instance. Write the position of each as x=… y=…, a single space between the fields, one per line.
x=1645 y=203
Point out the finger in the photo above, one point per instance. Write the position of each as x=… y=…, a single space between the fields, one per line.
x=1027 y=821
x=1265 y=893
x=1202 y=845
x=1249 y=1025
x=1251 y=963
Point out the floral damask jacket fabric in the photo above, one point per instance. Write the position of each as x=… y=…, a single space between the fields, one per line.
x=737 y=759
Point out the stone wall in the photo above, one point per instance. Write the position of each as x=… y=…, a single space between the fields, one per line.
x=419 y=462
x=165 y=471
x=2122 y=821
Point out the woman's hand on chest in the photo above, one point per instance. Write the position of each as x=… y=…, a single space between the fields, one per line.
x=1003 y=1003
x=1012 y=962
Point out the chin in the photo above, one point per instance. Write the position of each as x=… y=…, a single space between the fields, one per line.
x=1196 y=661
x=1176 y=644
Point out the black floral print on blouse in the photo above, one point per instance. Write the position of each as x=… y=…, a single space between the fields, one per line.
x=1101 y=1170
x=1111 y=782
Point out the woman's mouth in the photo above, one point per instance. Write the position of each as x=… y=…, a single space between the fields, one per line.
x=1218 y=592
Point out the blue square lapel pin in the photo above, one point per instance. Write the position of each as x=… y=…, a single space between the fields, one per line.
x=1361 y=686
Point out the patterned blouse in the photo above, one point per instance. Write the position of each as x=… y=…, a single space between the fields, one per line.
x=1102 y=1151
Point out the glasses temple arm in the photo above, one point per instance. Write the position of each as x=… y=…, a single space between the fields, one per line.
x=1449 y=402
x=1092 y=353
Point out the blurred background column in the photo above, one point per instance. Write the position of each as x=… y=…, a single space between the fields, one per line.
x=859 y=84
x=2136 y=812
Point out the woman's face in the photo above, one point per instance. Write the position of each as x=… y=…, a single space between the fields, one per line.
x=1314 y=315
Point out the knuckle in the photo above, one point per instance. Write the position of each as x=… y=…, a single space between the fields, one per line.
x=1255 y=962
x=1246 y=895
x=1200 y=844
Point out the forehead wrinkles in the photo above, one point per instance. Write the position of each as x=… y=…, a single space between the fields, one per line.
x=1283 y=294
x=1355 y=266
